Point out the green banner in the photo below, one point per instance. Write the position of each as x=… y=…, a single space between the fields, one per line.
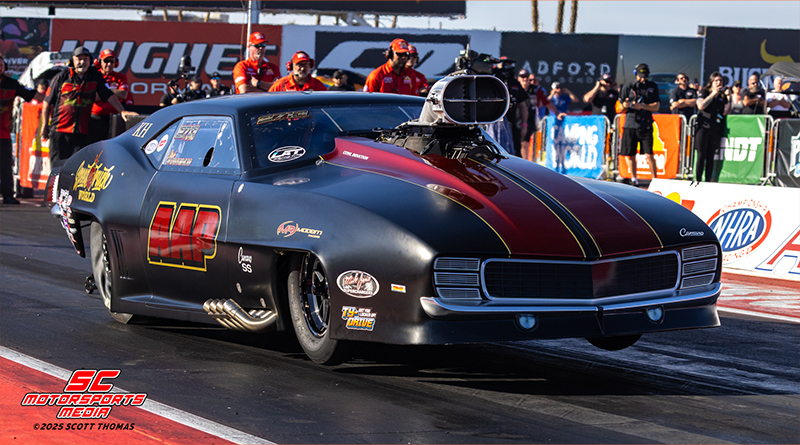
x=740 y=159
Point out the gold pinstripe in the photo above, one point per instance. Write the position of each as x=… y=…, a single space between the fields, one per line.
x=645 y=221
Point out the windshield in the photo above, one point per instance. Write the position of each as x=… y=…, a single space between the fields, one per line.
x=306 y=133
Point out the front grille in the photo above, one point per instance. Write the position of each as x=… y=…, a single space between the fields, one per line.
x=538 y=279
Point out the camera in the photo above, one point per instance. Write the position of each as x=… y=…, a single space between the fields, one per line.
x=185 y=69
x=470 y=62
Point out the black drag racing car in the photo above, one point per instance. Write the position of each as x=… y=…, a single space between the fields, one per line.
x=374 y=217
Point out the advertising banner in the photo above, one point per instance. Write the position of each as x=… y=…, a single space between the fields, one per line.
x=740 y=159
x=575 y=145
x=787 y=156
x=362 y=50
x=758 y=227
x=666 y=148
x=150 y=52
x=34 y=157
x=23 y=39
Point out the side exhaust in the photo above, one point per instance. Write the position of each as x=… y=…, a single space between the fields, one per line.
x=229 y=314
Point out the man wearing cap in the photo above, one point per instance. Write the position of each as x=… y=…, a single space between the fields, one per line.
x=217 y=87
x=9 y=89
x=561 y=97
x=299 y=77
x=70 y=98
x=639 y=101
x=100 y=121
x=603 y=97
x=537 y=99
x=339 y=79
x=254 y=74
x=195 y=89
x=393 y=76
x=682 y=99
x=419 y=78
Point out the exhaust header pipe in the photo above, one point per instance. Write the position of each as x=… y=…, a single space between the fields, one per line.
x=229 y=314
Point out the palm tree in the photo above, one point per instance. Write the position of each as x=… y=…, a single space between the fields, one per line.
x=560 y=16
x=573 y=19
x=535 y=14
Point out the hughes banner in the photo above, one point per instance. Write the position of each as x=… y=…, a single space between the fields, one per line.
x=150 y=52
x=787 y=155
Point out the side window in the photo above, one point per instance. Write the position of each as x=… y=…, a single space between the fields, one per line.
x=202 y=144
x=156 y=147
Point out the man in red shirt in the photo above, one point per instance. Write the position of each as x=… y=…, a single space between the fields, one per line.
x=299 y=77
x=254 y=74
x=100 y=121
x=421 y=80
x=393 y=76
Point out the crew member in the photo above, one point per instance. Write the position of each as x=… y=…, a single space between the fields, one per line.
x=254 y=74
x=217 y=87
x=9 y=89
x=393 y=76
x=639 y=100
x=299 y=77
x=420 y=79
x=100 y=121
x=70 y=98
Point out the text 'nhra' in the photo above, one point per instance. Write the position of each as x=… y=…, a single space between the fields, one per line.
x=184 y=235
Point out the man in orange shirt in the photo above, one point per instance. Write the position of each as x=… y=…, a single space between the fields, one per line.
x=254 y=74
x=393 y=76
x=100 y=120
x=299 y=77
x=421 y=80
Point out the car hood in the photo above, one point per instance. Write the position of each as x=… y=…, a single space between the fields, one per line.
x=534 y=210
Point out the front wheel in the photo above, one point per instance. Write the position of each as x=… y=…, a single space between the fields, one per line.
x=614 y=343
x=310 y=306
x=101 y=268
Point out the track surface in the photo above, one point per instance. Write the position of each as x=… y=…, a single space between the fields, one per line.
x=738 y=383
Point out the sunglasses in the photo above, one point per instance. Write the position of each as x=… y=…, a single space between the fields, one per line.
x=260 y=45
x=682 y=78
x=109 y=60
x=215 y=78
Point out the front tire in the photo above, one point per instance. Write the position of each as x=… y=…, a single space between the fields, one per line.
x=310 y=307
x=101 y=268
x=614 y=343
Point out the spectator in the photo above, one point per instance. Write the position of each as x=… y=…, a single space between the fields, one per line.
x=100 y=120
x=421 y=80
x=603 y=97
x=754 y=97
x=71 y=95
x=195 y=89
x=254 y=74
x=735 y=96
x=777 y=101
x=537 y=98
x=517 y=114
x=299 y=77
x=9 y=89
x=712 y=106
x=41 y=88
x=340 y=82
x=683 y=98
x=561 y=97
x=393 y=76
x=217 y=87
x=639 y=101
x=542 y=110
x=695 y=85
x=172 y=95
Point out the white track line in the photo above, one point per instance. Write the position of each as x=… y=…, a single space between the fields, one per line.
x=168 y=412
x=758 y=314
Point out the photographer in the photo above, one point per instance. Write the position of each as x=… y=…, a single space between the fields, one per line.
x=194 y=90
x=603 y=97
x=639 y=101
x=712 y=106
x=172 y=96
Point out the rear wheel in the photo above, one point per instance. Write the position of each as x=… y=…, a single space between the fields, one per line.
x=310 y=307
x=614 y=343
x=101 y=268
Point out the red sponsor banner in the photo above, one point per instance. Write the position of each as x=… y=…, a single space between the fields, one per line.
x=150 y=52
x=666 y=149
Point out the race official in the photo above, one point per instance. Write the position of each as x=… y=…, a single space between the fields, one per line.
x=217 y=87
x=682 y=100
x=639 y=101
x=100 y=121
x=393 y=76
x=9 y=89
x=420 y=79
x=299 y=77
x=255 y=74
x=69 y=98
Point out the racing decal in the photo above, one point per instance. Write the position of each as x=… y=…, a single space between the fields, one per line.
x=286 y=154
x=246 y=261
x=173 y=159
x=788 y=250
x=163 y=143
x=183 y=236
x=398 y=288
x=684 y=232
x=151 y=147
x=358 y=284
x=141 y=132
x=284 y=116
x=741 y=227
x=187 y=132
x=291 y=181
x=289 y=228
x=358 y=318
x=355 y=155
x=92 y=178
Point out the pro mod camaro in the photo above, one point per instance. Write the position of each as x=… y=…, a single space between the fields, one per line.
x=374 y=217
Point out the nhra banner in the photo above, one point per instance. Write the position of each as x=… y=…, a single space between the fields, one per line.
x=575 y=145
x=150 y=52
x=758 y=227
x=787 y=156
x=666 y=148
x=740 y=159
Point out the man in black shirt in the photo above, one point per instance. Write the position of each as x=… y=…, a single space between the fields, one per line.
x=603 y=97
x=217 y=88
x=195 y=89
x=682 y=99
x=340 y=82
x=172 y=96
x=712 y=106
x=754 y=97
x=639 y=101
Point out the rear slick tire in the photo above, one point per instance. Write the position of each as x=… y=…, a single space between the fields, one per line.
x=101 y=268
x=614 y=343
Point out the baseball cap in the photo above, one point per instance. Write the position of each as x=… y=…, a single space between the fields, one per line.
x=195 y=78
x=412 y=49
x=555 y=85
x=642 y=69
x=215 y=74
x=81 y=51
x=338 y=74
x=300 y=56
x=607 y=77
x=524 y=73
x=106 y=53
x=399 y=46
x=256 y=38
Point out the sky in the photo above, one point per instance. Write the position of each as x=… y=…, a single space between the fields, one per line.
x=644 y=17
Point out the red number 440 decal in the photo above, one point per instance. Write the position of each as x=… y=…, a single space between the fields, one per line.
x=183 y=236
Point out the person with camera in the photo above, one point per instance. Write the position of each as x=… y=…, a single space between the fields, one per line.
x=72 y=93
x=255 y=74
x=172 y=95
x=420 y=79
x=561 y=97
x=100 y=120
x=754 y=97
x=299 y=77
x=194 y=89
x=217 y=87
x=712 y=106
x=603 y=97
x=639 y=102
x=682 y=100
x=393 y=76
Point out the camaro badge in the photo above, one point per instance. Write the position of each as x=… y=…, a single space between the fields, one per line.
x=358 y=284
